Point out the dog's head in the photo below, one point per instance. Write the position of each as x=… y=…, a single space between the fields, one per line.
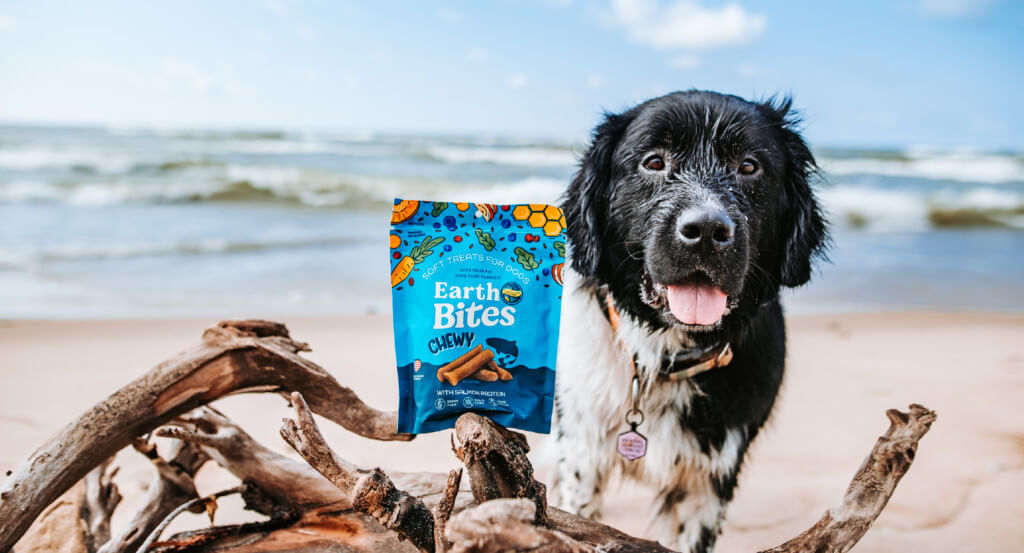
x=694 y=208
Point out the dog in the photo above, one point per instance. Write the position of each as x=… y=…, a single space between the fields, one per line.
x=687 y=215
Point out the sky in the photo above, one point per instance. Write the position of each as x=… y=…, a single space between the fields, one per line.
x=869 y=73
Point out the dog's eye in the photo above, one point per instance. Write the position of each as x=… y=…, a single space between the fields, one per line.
x=654 y=163
x=748 y=167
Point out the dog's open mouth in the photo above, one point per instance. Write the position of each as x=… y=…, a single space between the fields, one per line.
x=694 y=301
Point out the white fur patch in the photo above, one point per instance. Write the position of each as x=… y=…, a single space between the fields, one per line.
x=593 y=389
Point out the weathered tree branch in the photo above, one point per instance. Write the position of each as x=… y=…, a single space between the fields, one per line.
x=508 y=525
x=171 y=486
x=371 y=492
x=207 y=503
x=325 y=519
x=325 y=531
x=845 y=524
x=232 y=357
x=60 y=528
x=284 y=481
x=101 y=498
x=443 y=510
x=497 y=463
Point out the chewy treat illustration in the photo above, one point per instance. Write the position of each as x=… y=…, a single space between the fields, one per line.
x=458 y=362
x=502 y=373
x=482 y=367
x=469 y=368
x=476 y=298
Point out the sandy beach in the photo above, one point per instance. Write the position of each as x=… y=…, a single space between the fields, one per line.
x=962 y=494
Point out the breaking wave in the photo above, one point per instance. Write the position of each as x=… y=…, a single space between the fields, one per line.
x=887 y=209
x=525 y=156
x=946 y=166
x=275 y=184
x=94 y=252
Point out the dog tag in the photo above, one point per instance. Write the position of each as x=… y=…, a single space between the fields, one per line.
x=631 y=444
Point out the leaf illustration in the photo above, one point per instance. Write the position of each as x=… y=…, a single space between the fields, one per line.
x=526 y=259
x=485 y=239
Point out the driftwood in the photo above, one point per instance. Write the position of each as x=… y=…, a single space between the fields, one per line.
x=232 y=357
x=327 y=503
x=171 y=486
x=870 y=488
x=101 y=497
x=369 y=491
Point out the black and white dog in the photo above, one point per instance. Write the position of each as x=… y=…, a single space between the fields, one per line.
x=687 y=215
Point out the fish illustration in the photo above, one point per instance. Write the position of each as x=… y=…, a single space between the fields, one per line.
x=507 y=351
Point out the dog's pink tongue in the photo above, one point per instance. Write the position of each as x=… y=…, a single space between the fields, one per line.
x=696 y=304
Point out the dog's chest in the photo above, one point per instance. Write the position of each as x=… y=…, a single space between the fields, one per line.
x=594 y=393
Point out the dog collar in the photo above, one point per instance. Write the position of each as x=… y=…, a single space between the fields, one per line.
x=631 y=444
x=682 y=365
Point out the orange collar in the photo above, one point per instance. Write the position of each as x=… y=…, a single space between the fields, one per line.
x=681 y=366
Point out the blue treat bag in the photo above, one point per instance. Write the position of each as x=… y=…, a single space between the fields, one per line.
x=476 y=293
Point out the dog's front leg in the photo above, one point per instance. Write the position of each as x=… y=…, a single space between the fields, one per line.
x=690 y=512
x=581 y=478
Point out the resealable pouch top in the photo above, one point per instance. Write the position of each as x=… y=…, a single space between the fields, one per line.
x=476 y=293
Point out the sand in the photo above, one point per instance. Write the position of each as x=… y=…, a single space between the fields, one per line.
x=962 y=494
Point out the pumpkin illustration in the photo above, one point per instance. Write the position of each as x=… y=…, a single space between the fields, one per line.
x=403 y=211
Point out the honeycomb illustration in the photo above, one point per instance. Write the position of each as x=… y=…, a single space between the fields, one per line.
x=546 y=217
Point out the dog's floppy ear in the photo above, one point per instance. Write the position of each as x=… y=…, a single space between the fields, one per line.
x=803 y=233
x=586 y=201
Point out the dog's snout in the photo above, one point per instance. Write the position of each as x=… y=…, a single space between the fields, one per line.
x=711 y=227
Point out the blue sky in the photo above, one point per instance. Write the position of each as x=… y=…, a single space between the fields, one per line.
x=865 y=73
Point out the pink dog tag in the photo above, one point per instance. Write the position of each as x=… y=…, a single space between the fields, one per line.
x=632 y=445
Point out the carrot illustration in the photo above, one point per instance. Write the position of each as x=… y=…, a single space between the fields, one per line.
x=418 y=253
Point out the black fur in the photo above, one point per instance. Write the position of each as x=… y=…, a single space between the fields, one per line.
x=622 y=225
x=619 y=221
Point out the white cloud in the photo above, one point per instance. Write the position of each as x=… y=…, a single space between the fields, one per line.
x=954 y=8
x=449 y=15
x=310 y=75
x=566 y=97
x=685 y=24
x=381 y=55
x=8 y=23
x=175 y=68
x=279 y=7
x=595 y=80
x=307 y=33
x=747 y=70
x=685 y=61
x=518 y=80
x=477 y=54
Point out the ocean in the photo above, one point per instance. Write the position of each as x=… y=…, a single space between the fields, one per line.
x=144 y=223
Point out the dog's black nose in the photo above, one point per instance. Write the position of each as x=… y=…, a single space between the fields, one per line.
x=706 y=226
